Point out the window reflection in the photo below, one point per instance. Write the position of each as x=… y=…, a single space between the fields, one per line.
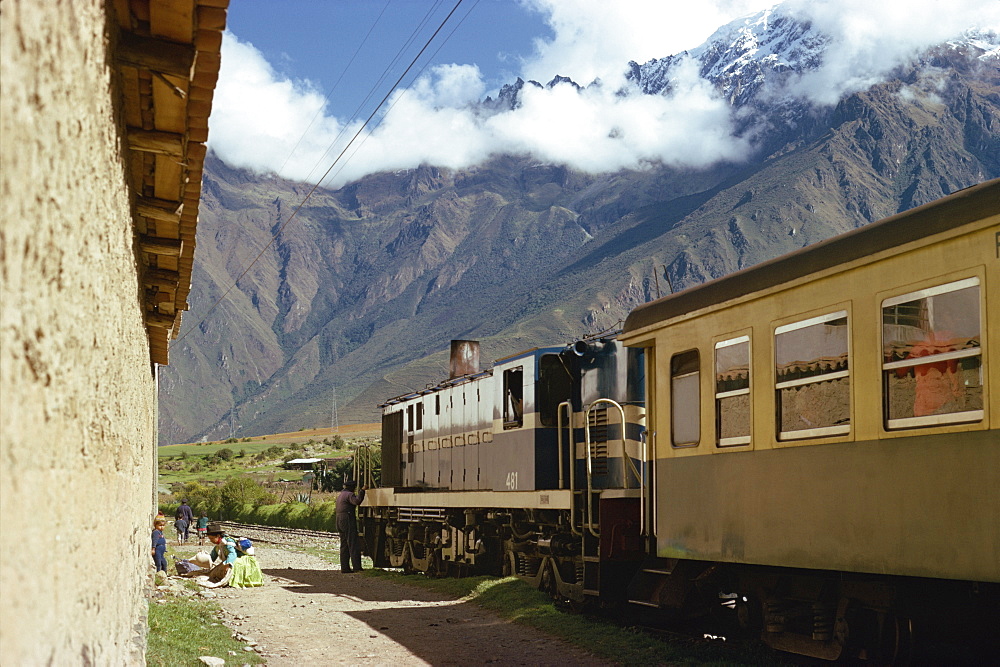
x=813 y=377
x=932 y=360
x=732 y=391
x=685 y=413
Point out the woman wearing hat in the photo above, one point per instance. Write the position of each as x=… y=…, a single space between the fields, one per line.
x=245 y=569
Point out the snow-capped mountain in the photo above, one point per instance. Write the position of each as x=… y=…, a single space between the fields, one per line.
x=763 y=52
x=518 y=252
x=742 y=56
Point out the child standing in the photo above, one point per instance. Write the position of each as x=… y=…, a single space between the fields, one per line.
x=159 y=545
x=181 y=525
x=202 y=528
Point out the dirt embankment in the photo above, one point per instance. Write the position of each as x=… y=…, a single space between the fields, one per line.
x=308 y=613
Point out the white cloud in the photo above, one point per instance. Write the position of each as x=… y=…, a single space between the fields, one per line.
x=259 y=117
x=869 y=39
x=596 y=38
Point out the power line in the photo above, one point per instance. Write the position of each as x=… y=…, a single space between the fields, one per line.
x=396 y=101
x=323 y=177
x=319 y=112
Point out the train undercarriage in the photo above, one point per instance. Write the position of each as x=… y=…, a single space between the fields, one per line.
x=825 y=615
x=556 y=550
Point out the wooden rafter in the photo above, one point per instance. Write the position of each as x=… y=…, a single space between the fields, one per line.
x=168 y=58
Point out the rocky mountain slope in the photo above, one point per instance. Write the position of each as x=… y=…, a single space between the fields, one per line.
x=362 y=291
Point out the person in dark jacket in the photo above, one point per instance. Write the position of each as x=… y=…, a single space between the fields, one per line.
x=184 y=512
x=347 y=525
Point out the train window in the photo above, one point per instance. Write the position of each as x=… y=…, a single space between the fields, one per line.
x=420 y=415
x=513 y=398
x=932 y=366
x=437 y=404
x=732 y=391
x=554 y=386
x=812 y=377
x=409 y=418
x=685 y=410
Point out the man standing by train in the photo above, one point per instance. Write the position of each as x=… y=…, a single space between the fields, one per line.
x=347 y=525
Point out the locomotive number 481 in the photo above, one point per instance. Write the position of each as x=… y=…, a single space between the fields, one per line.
x=511 y=481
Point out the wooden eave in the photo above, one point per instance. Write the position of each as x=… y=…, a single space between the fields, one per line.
x=167 y=55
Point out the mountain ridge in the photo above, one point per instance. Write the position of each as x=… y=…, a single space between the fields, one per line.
x=361 y=293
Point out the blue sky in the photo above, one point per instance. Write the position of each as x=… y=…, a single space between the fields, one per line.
x=317 y=39
x=279 y=108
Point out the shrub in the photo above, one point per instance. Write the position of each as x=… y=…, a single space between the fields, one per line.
x=336 y=442
x=273 y=450
x=242 y=453
x=225 y=454
x=238 y=492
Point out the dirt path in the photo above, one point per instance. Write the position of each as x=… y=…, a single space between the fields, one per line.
x=308 y=613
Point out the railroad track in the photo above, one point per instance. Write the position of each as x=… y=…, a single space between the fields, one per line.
x=276 y=534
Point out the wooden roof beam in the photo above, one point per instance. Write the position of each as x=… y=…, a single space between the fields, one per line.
x=160 y=209
x=160 y=246
x=151 y=141
x=159 y=320
x=156 y=55
x=164 y=278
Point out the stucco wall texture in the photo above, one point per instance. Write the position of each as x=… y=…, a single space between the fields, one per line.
x=77 y=393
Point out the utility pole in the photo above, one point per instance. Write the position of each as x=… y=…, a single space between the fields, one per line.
x=334 y=419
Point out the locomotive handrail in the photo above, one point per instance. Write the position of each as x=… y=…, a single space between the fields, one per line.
x=559 y=435
x=590 y=465
x=626 y=461
x=590 y=474
x=572 y=460
x=363 y=468
x=642 y=484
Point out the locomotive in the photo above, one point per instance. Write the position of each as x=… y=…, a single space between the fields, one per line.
x=812 y=442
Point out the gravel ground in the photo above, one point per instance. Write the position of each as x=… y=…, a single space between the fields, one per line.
x=309 y=613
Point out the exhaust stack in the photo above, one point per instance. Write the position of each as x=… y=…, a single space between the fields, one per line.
x=464 y=358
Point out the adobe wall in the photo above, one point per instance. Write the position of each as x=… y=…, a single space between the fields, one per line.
x=77 y=395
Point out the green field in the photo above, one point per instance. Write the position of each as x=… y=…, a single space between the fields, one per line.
x=261 y=457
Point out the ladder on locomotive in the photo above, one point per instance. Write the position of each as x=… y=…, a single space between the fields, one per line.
x=585 y=502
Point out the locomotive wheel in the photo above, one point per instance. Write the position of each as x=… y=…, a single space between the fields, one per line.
x=897 y=640
x=547 y=582
x=508 y=568
x=749 y=615
x=408 y=561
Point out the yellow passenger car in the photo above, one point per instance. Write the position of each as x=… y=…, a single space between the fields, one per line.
x=824 y=432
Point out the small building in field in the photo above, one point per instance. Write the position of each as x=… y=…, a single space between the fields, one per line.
x=302 y=464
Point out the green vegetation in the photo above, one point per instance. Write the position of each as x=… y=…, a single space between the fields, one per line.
x=213 y=463
x=184 y=627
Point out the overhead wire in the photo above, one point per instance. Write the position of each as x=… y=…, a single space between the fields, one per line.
x=396 y=101
x=336 y=84
x=378 y=83
x=323 y=177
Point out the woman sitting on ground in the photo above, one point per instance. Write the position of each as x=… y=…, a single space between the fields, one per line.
x=245 y=572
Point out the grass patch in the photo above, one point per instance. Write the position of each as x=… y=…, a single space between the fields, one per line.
x=182 y=628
